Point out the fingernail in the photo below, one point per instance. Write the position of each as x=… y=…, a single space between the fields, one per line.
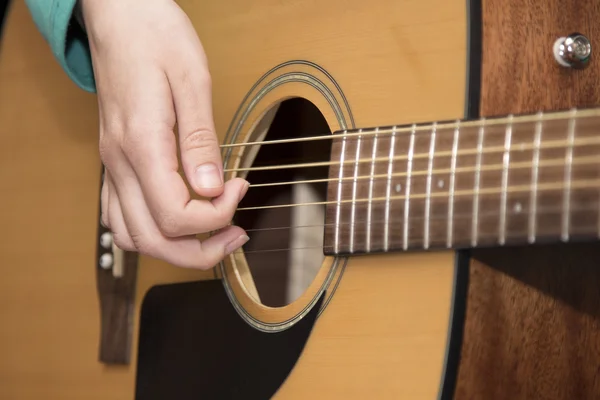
x=236 y=244
x=208 y=176
x=243 y=191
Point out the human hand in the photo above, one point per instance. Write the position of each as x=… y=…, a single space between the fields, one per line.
x=151 y=73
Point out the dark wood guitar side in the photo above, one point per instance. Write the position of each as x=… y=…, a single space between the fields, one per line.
x=532 y=327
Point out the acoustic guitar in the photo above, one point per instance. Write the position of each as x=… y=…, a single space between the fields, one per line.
x=423 y=213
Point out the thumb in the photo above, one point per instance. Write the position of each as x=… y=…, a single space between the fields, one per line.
x=201 y=161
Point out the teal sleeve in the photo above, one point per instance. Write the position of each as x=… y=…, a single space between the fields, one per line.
x=66 y=37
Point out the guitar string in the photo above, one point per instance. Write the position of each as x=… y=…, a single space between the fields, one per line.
x=418 y=241
x=406 y=128
x=580 y=184
x=550 y=144
x=554 y=162
x=515 y=211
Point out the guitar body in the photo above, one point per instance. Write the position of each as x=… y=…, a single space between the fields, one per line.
x=494 y=323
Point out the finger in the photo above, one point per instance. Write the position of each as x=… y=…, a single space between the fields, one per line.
x=217 y=247
x=168 y=197
x=189 y=252
x=150 y=148
x=120 y=233
x=185 y=251
x=104 y=202
x=175 y=213
x=190 y=84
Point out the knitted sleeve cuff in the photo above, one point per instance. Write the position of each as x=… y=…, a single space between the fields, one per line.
x=57 y=20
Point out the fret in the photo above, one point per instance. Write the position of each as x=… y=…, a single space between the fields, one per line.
x=371 y=179
x=475 y=218
x=431 y=183
x=354 y=185
x=490 y=171
x=409 y=161
x=339 y=195
x=428 y=195
x=567 y=180
x=584 y=160
x=534 y=178
x=417 y=194
x=451 y=189
x=390 y=170
x=461 y=198
x=506 y=161
x=519 y=174
x=551 y=170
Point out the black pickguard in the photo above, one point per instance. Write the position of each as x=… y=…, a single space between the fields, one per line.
x=194 y=345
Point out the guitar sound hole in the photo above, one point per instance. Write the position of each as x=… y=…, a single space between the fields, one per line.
x=285 y=248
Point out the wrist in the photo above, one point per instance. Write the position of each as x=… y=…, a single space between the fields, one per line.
x=94 y=15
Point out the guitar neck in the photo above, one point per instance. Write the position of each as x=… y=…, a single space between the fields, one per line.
x=504 y=181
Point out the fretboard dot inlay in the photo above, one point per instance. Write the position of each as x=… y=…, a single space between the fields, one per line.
x=518 y=207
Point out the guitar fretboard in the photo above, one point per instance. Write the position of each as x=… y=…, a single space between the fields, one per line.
x=465 y=184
